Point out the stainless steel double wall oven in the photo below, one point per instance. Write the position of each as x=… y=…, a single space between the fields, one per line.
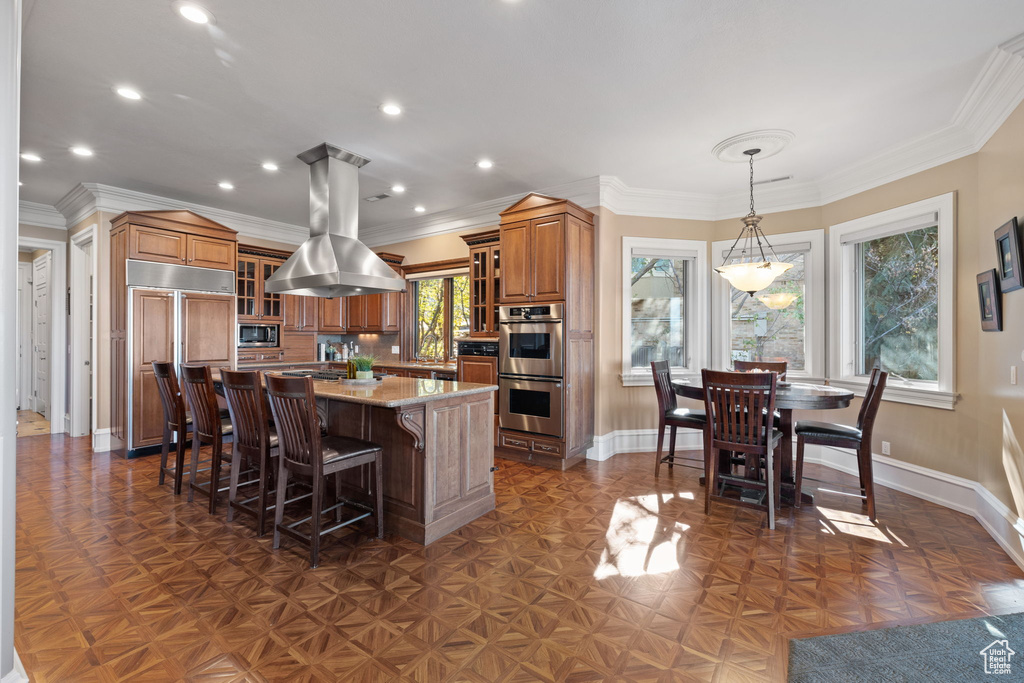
x=531 y=361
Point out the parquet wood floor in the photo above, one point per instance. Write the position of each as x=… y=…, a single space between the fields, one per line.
x=597 y=573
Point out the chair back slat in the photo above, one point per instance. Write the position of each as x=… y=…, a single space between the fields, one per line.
x=872 y=399
x=170 y=394
x=202 y=399
x=663 y=385
x=247 y=406
x=740 y=409
x=294 y=409
x=779 y=367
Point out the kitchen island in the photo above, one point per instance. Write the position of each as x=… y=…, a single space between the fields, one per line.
x=438 y=449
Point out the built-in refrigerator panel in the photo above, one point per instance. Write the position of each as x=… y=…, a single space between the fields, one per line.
x=177 y=313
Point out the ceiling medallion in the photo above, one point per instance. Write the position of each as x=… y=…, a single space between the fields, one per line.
x=770 y=142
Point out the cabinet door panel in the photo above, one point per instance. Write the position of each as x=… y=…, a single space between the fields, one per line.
x=247 y=288
x=333 y=316
x=516 y=281
x=374 y=304
x=357 y=309
x=547 y=247
x=480 y=370
x=152 y=340
x=207 y=334
x=310 y=313
x=154 y=244
x=207 y=252
x=293 y=312
x=272 y=308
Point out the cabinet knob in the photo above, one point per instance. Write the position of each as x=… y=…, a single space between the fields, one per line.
x=182 y=258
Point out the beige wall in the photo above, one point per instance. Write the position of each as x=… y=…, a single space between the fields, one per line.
x=434 y=248
x=36 y=232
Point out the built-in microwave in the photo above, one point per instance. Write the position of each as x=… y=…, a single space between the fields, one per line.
x=250 y=335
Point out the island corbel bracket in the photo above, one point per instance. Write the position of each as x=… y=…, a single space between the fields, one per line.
x=413 y=421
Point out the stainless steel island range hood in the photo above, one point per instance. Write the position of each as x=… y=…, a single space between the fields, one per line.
x=333 y=262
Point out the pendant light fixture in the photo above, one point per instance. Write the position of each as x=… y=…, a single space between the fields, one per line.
x=754 y=270
x=778 y=300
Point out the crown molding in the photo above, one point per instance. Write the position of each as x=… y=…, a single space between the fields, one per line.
x=585 y=193
x=87 y=198
x=624 y=200
x=41 y=215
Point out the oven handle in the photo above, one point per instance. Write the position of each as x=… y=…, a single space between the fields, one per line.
x=528 y=378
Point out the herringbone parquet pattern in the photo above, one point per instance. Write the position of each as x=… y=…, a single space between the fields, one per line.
x=598 y=573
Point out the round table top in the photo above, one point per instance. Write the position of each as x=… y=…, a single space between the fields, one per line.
x=791 y=396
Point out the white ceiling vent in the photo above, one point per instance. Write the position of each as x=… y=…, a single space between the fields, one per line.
x=376 y=197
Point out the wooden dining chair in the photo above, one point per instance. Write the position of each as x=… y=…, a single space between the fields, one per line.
x=738 y=407
x=208 y=428
x=670 y=415
x=177 y=423
x=779 y=367
x=843 y=436
x=254 y=441
x=305 y=452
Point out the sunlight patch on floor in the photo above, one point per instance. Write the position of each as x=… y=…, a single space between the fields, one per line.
x=639 y=541
x=854 y=524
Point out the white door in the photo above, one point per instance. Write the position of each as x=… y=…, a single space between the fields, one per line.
x=41 y=332
x=25 y=377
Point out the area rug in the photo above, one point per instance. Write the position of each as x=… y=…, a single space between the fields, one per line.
x=979 y=649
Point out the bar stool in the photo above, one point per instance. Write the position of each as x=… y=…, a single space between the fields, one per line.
x=843 y=436
x=176 y=422
x=739 y=408
x=304 y=452
x=208 y=427
x=253 y=440
x=670 y=415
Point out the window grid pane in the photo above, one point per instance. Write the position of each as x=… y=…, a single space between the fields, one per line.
x=898 y=312
x=430 y=318
x=658 y=310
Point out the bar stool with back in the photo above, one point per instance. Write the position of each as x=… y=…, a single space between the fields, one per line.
x=843 y=436
x=253 y=439
x=177 y=422
x=208 y=427
x=303 y=451
x=739 y=407
x=669 y=414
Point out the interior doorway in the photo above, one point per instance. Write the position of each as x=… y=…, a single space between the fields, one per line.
x=82 y=338
x=42 y=335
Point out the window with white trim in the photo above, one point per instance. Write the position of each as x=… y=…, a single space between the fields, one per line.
x=892 y=277
x=785 y=321
x=663 y=306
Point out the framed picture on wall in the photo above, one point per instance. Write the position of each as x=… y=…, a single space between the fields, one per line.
x=990 y=302
x=1008 y=249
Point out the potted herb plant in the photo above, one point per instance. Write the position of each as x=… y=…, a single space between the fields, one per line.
x=364 y=365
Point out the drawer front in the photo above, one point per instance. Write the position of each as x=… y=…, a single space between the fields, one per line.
x=546 y=447
x=517 y=443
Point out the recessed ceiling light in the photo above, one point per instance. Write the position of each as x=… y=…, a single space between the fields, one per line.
x=194 y=13
x=391 y=109
x=269 y=166
x=398 y=189
x=128 y=93
x=485 y=164
x=225 y=185
x=29 y=156
x=81 y=151
x=420 y=209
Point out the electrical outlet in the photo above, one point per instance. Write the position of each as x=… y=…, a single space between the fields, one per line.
x=886 y=450
x=396 y=350
x=1013 y=374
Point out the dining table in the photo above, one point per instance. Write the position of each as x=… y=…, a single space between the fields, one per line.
x=789 y=396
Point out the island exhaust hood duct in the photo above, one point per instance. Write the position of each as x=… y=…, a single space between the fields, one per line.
x=332 y=262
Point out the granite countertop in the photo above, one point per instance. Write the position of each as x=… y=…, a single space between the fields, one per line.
x=405 y=365
x=410 y=365
x=392 y=392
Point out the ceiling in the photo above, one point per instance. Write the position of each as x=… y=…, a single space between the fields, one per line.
x=551 y=90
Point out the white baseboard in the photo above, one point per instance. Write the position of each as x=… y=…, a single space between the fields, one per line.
x=963 y=495
x=17 y=674
x=101 y=441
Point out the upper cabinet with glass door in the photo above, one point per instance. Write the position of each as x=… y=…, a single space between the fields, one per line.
x=484 y=282
x=255 y=304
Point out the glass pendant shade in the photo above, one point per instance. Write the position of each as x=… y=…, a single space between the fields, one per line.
x=753 y=276
x=778 y=300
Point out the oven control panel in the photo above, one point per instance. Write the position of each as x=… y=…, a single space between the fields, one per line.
x=545 y=312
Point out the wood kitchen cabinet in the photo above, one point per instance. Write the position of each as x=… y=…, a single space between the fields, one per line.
x=149 y=322
x=333 y=314
x=301 y=313
x=377 y=312
x=254 y=303
x=482 y=370
x=484 y=282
